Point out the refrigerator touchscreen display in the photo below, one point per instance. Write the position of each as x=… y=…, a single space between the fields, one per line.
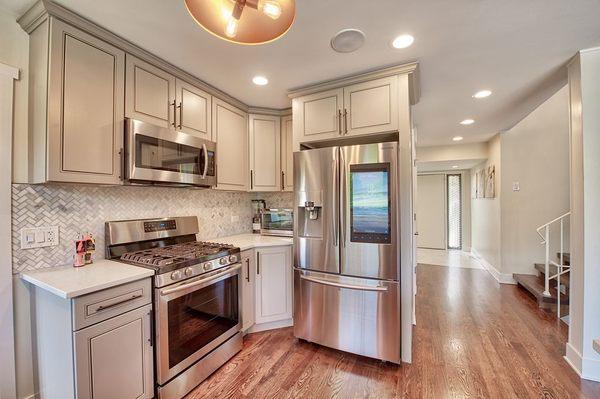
x=370 y=203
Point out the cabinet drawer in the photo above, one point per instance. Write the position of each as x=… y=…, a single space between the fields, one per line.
x=98 y=306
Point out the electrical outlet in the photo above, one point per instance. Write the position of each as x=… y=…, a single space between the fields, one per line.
x=39 y=237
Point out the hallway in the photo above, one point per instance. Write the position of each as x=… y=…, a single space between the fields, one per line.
x=473 y=338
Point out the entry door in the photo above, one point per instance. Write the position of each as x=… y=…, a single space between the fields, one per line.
x=431 y=211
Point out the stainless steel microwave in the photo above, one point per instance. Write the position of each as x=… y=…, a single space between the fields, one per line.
x=277 y=222
x=157 y=155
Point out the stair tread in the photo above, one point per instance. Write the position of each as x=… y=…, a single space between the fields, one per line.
x=566 y=257
x=535 y=285
x=564 y=279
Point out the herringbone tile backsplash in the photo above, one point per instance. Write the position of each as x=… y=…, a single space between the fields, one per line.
x=79 y=209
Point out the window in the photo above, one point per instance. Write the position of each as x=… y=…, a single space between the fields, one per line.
x=454 y=201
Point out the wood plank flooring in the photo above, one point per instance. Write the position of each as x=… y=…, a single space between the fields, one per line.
x=474 y=338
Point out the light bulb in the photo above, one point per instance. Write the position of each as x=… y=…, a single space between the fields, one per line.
x=271 y=8
x=231 y=28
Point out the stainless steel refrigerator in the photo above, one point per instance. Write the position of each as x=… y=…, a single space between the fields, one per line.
x=346 y=249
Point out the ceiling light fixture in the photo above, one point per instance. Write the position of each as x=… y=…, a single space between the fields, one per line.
x=260 y=80
x=482 y=94
x=467 y=122
x=403 y=41
x=232 y=21
x=457 y=138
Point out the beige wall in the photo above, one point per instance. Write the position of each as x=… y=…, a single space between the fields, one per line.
x=535 y=153
x=485 y=212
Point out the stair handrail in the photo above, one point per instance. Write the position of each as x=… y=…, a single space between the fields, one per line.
x=559 y=266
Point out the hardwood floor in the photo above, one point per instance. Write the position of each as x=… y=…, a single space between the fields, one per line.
x=473 y=338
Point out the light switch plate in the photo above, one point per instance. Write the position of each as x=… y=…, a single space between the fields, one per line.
x=516 y=186
x=39 y=237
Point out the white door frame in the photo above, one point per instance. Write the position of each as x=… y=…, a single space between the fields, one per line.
x=7 y=340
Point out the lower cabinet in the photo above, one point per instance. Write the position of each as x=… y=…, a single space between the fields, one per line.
x=273 y=284
x=113 y=359
x=267 y=288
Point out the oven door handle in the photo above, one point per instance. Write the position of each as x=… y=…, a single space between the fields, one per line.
x=205 y=161
x=183 y=287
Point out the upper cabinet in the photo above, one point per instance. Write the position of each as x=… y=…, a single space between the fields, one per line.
x=230 y=132
x=150 y=93
x=193 y=110
x=287 y=154
x=265 y=152
x=371 y=107
x=372 y=103
x=75 y=106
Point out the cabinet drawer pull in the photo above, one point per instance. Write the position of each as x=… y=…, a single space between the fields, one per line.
x=122 y=164
x=248 y=269
x=180 y=115
x=339 y=121
x=345 y=121
x=122 y=301
x=282 y=180
x=174 y=113
x=258 y=263
x=251 y=179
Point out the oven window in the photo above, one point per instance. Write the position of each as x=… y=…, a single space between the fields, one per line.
x=370 y=203
x=157 y=154
x=201 y=316
x=278 y=221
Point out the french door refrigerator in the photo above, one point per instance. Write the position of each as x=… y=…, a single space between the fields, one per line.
x=346 y=250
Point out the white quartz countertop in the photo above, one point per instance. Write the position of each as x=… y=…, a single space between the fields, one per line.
x=250 y=241
x=70 y=282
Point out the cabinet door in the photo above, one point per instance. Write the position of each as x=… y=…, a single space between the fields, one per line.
x=265 y=148
x=273 y=284
x=149 y=93
x=249 y=276
x=318 y=116
x=287 y=154
x=230 y=132
x=85 y=108
x=193 y=110
x=371 y=107
x=114 y=358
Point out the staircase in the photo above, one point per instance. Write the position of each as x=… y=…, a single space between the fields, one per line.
x=550 y=287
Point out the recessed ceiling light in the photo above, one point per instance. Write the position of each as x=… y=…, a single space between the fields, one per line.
x=482 y=94
x=260 y=80
x=457 y=138
x=403 y=41
x=467 y=122
x=454 y=166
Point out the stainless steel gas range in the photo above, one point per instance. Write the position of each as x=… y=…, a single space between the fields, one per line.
x=197 y=297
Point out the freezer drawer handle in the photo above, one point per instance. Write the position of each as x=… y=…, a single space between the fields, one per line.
x=379 y=288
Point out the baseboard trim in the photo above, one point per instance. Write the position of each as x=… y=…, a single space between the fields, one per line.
x=270 y=326
x=588 y=369
x=502 y=278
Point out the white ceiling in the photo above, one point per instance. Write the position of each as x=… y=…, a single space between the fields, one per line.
x=516 y=48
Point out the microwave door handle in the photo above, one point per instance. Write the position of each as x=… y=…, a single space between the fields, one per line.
x=205 y=160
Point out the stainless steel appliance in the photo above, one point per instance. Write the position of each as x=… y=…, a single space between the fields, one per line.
x=277 y=222
x=197 y=297
x=346 y=256
x=161 y=156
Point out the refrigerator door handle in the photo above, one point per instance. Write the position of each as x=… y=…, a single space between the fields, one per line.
x=343 y=200
x=335 y=205
x=378 y=288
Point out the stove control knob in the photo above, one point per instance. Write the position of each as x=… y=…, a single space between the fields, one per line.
x=223 y=261
x=176 y=275
x=188 y=271
x=232 y=258
x=207 y=266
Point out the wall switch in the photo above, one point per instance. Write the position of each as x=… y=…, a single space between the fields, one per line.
x=39 y=237
x=516 y=186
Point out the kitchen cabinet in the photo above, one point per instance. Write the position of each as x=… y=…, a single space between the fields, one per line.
x=371 y=107
x=318 y=116
x=248 y=288
x=287 y=154
x=265 y=152
x=75 y=106
x=230 y=132
x=273 y=300
x=149 y=93
x=113 y=359
x=193 y=110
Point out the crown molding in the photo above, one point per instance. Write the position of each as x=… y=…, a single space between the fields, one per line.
x=411 y=69
x=270 y=111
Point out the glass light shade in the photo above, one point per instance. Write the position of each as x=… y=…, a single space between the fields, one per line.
x=255 y=26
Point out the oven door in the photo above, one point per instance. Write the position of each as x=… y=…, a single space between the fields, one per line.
x=194 y=317
x=160 y=155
